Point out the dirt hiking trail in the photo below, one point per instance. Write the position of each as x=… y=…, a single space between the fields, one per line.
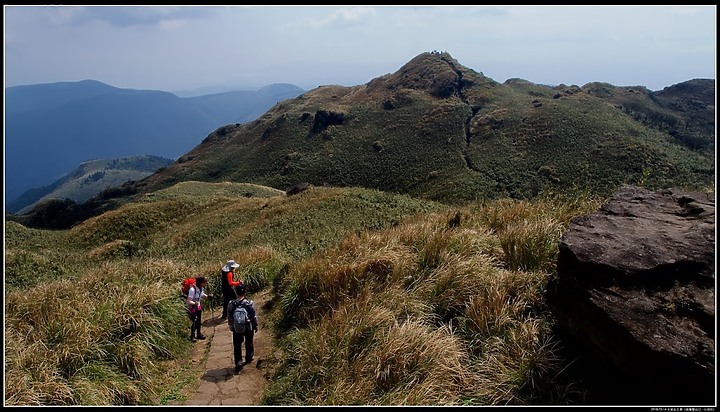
x=218 y=385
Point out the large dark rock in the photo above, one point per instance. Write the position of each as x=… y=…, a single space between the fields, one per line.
x=636 y=291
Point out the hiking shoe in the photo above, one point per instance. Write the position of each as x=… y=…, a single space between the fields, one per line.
x=238 y=368
x=247 y=361
x=193 y=340
x=202 y=337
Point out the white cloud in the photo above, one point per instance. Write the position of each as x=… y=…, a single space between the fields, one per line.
x=341 y=18
x=173 y=48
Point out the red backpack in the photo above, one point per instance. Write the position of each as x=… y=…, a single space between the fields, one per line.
x=186 y=284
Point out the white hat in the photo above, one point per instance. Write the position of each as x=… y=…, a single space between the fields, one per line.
x=230 y=265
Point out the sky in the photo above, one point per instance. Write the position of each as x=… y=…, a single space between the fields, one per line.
x=184 y=48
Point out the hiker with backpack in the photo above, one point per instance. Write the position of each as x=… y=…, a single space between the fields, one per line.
x=228 y=282
x=193 y=304
x=242 y=320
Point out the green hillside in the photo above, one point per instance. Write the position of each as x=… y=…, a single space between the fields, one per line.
x=89 y=179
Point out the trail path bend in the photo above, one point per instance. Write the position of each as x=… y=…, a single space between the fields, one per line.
x=218 y=384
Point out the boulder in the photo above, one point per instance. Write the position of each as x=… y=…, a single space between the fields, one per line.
x=635 y=291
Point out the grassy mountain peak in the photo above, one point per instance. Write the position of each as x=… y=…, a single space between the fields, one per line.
x=438 y=130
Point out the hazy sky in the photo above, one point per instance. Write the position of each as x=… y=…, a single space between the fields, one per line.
x=188 y=47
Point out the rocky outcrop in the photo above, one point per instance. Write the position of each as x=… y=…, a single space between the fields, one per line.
x=636 y=291
x=298 y=188
x=325 y=118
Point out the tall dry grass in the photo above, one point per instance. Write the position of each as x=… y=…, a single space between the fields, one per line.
x=474 y=278
x=376 y=349
x=123 y=339
x=529 y=230
x=96 y=339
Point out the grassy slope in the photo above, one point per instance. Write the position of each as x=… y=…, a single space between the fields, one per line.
x=121 y=271
x=113 y=281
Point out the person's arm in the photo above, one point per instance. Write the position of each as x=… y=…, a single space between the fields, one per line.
x=232 y=282
x=253 y=316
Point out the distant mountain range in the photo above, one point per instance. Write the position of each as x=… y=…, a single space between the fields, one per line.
x=52 y=128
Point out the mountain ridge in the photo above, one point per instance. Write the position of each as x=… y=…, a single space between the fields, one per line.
x=89 y=179
x=475 y=115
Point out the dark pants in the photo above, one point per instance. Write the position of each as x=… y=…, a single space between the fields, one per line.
x=195 y=320
x=228 y=295
x=238 y=339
